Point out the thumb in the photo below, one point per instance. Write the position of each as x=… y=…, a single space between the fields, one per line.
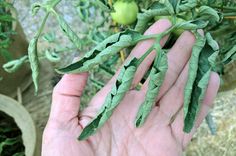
x=66 y=97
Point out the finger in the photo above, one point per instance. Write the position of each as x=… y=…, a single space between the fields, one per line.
x=172 y=101
x=178 y=56
x=178 y=124
x=66 y=97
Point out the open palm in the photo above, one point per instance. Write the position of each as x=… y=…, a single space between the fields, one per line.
x=162 y=134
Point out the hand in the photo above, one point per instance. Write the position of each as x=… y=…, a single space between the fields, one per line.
x=160 y=135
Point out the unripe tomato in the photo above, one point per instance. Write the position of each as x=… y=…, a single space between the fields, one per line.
x=125 y=12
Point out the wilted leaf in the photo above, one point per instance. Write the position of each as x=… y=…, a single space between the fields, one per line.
x=209 y=13
x=14 y=65
x=144 y=18
x=157 y=76
x=69 y=32
x=193 y=25
x=194 y=94
x=52 y=56
x=187 y=6
x=103 y=51
x=121 y=86
x=34 y=62
x=229 y=55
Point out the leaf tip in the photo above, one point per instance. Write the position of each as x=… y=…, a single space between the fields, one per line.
x=139 y=121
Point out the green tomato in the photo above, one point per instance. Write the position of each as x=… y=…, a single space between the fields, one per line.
x=125 y=12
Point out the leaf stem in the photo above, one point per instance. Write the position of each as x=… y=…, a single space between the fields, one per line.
x=157 y=45
x=145 y=55
x=155 y=36
x=42 y=25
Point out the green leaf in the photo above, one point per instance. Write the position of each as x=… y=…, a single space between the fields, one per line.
x=9 y=142
x=196 y=87
x=228 y=57
x=50 y=37
x=84 y=14
x=34 y=62
x=170 y=7
x=209 y=13
x=35 y=8
x=157 y=76
x=69 y=32
x=52 y=56
x=121 y=86
x=103 y=51
x=14 y=65
x=103 y=4
x=193 y=25
x=6 y=18
x=193 y=67
x=187 y=6
x=147 y=15
x=174 y=3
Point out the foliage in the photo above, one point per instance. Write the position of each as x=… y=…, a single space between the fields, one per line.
x=10 y=137
x=216 y=17
x=6 y=31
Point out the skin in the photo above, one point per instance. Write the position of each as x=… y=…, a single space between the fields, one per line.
x=162 y=134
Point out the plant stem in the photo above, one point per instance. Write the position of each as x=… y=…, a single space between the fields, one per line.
x=155 y=36
x=157 y=45
x=42 y=25
x=145 y=55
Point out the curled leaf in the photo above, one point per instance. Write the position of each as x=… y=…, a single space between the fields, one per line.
x=68 y=31
x=144 y=18
x=121 y=86
x=83 y=13
x=187 y=6
x=193 y=25
x=157 y=76
x=34 y=62
x=103 y=51
x=50 y=37
x=209 y=13
x=14 y=65
x=35 y=8
x=195 y=93
x=52 y=56
x=193 y=67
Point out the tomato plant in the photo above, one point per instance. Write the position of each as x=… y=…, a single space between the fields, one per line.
x=186 y=15
x=125 y=12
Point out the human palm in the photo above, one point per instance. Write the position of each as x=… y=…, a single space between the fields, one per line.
x=162 y=134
